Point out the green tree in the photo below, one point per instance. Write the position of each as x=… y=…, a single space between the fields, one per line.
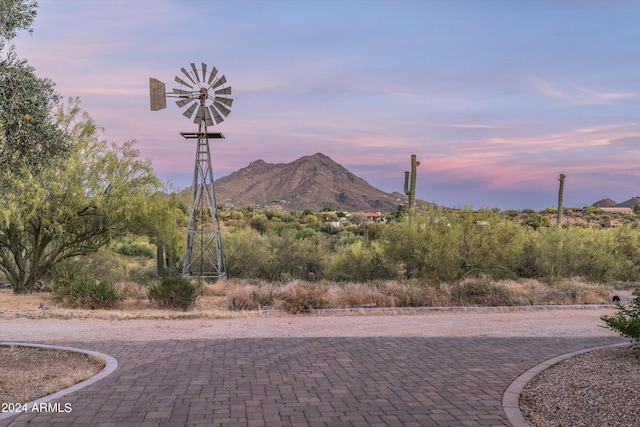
x=161 y=218
x=16 y=15
x=73 y=206
x=29 y=130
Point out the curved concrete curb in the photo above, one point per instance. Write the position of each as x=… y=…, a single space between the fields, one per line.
x=111 y=364
x=511 y=396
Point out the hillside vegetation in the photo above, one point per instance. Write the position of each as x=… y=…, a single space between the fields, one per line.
x=300 y=261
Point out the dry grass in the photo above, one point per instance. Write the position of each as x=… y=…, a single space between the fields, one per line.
x=241 y=298
x=28 y=373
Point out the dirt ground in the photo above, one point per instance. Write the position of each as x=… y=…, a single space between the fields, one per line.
x=28 y=373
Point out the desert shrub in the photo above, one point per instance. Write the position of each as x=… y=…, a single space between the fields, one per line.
x=348 y=295
x=259 y=222
x=486 y=244
x=244 y=250
x=265 y=296
x=598 y=255
x=626 y=321
x=74 y=285
x=251 y=297
x=135 y=250
x=425 y=249
x=313 y=255
x=272 y=256
x=131 y=290
x=286 y=257
x=554 y=253
x=219 y=288
x=103 y=265
x=576 y=291
x=298 y=297
x=86 y=293
x=358 y=263
x=241 y=298
x=143 y=275
x=627 y=253
x=416 y=294
x=174 y=292
x=597 y=259
x=483 y=292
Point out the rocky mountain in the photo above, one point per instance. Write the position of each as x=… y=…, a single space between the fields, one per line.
x=310 y=182
x=631 y=203
x=608 y=203
x=605 y=203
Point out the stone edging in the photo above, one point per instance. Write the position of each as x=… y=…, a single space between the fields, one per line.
x=111 y=364
x=511 y=396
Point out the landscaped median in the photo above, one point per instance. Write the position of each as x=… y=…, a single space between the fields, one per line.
x=34 y=375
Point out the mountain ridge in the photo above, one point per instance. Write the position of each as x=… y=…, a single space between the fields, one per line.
x=310 y=182
x=609 y=203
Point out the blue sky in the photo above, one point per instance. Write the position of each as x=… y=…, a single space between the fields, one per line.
x=496 y=98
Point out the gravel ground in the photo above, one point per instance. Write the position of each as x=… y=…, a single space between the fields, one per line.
x=600 y=384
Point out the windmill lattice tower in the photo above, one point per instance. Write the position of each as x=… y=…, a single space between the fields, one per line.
x=206 y=98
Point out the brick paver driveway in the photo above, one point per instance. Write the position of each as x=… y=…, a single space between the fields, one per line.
x=335 y=381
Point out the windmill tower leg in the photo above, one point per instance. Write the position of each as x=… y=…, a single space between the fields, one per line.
x=204 y=256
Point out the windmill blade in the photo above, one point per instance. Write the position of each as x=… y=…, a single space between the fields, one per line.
x=222 y=80
x=186 y=73
x=195 y=71
x=214 y=72
x=199 y=115
x=182 y=82
x=216 y=116
x=204 y=71
x=220 y=107
x=184 y=101
x=208 y=120
x=224 y=91
x=225 y=101
x=190 y=111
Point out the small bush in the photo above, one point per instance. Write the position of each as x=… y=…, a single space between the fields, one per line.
x=131 y=290
x=86 y=293
x=251 y=298
x=626 y=321
x=348 y=295
x=143 y=275
x=174 y=292
x=481 y=291
x=416 y=294
x=298 y=297
x=74 y=286
x=135 y=250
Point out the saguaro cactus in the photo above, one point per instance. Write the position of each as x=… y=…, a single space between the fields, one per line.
x=410 y=185
x=560 y=191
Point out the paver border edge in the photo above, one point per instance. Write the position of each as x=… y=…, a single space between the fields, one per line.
x=111 y=364
x=511 y=396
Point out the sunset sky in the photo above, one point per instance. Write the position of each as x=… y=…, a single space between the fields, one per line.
x=496 y=98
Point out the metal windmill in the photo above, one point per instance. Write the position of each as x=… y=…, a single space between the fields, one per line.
x=205 y=97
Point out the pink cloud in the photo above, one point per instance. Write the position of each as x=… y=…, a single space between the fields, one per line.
x=578 y=95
